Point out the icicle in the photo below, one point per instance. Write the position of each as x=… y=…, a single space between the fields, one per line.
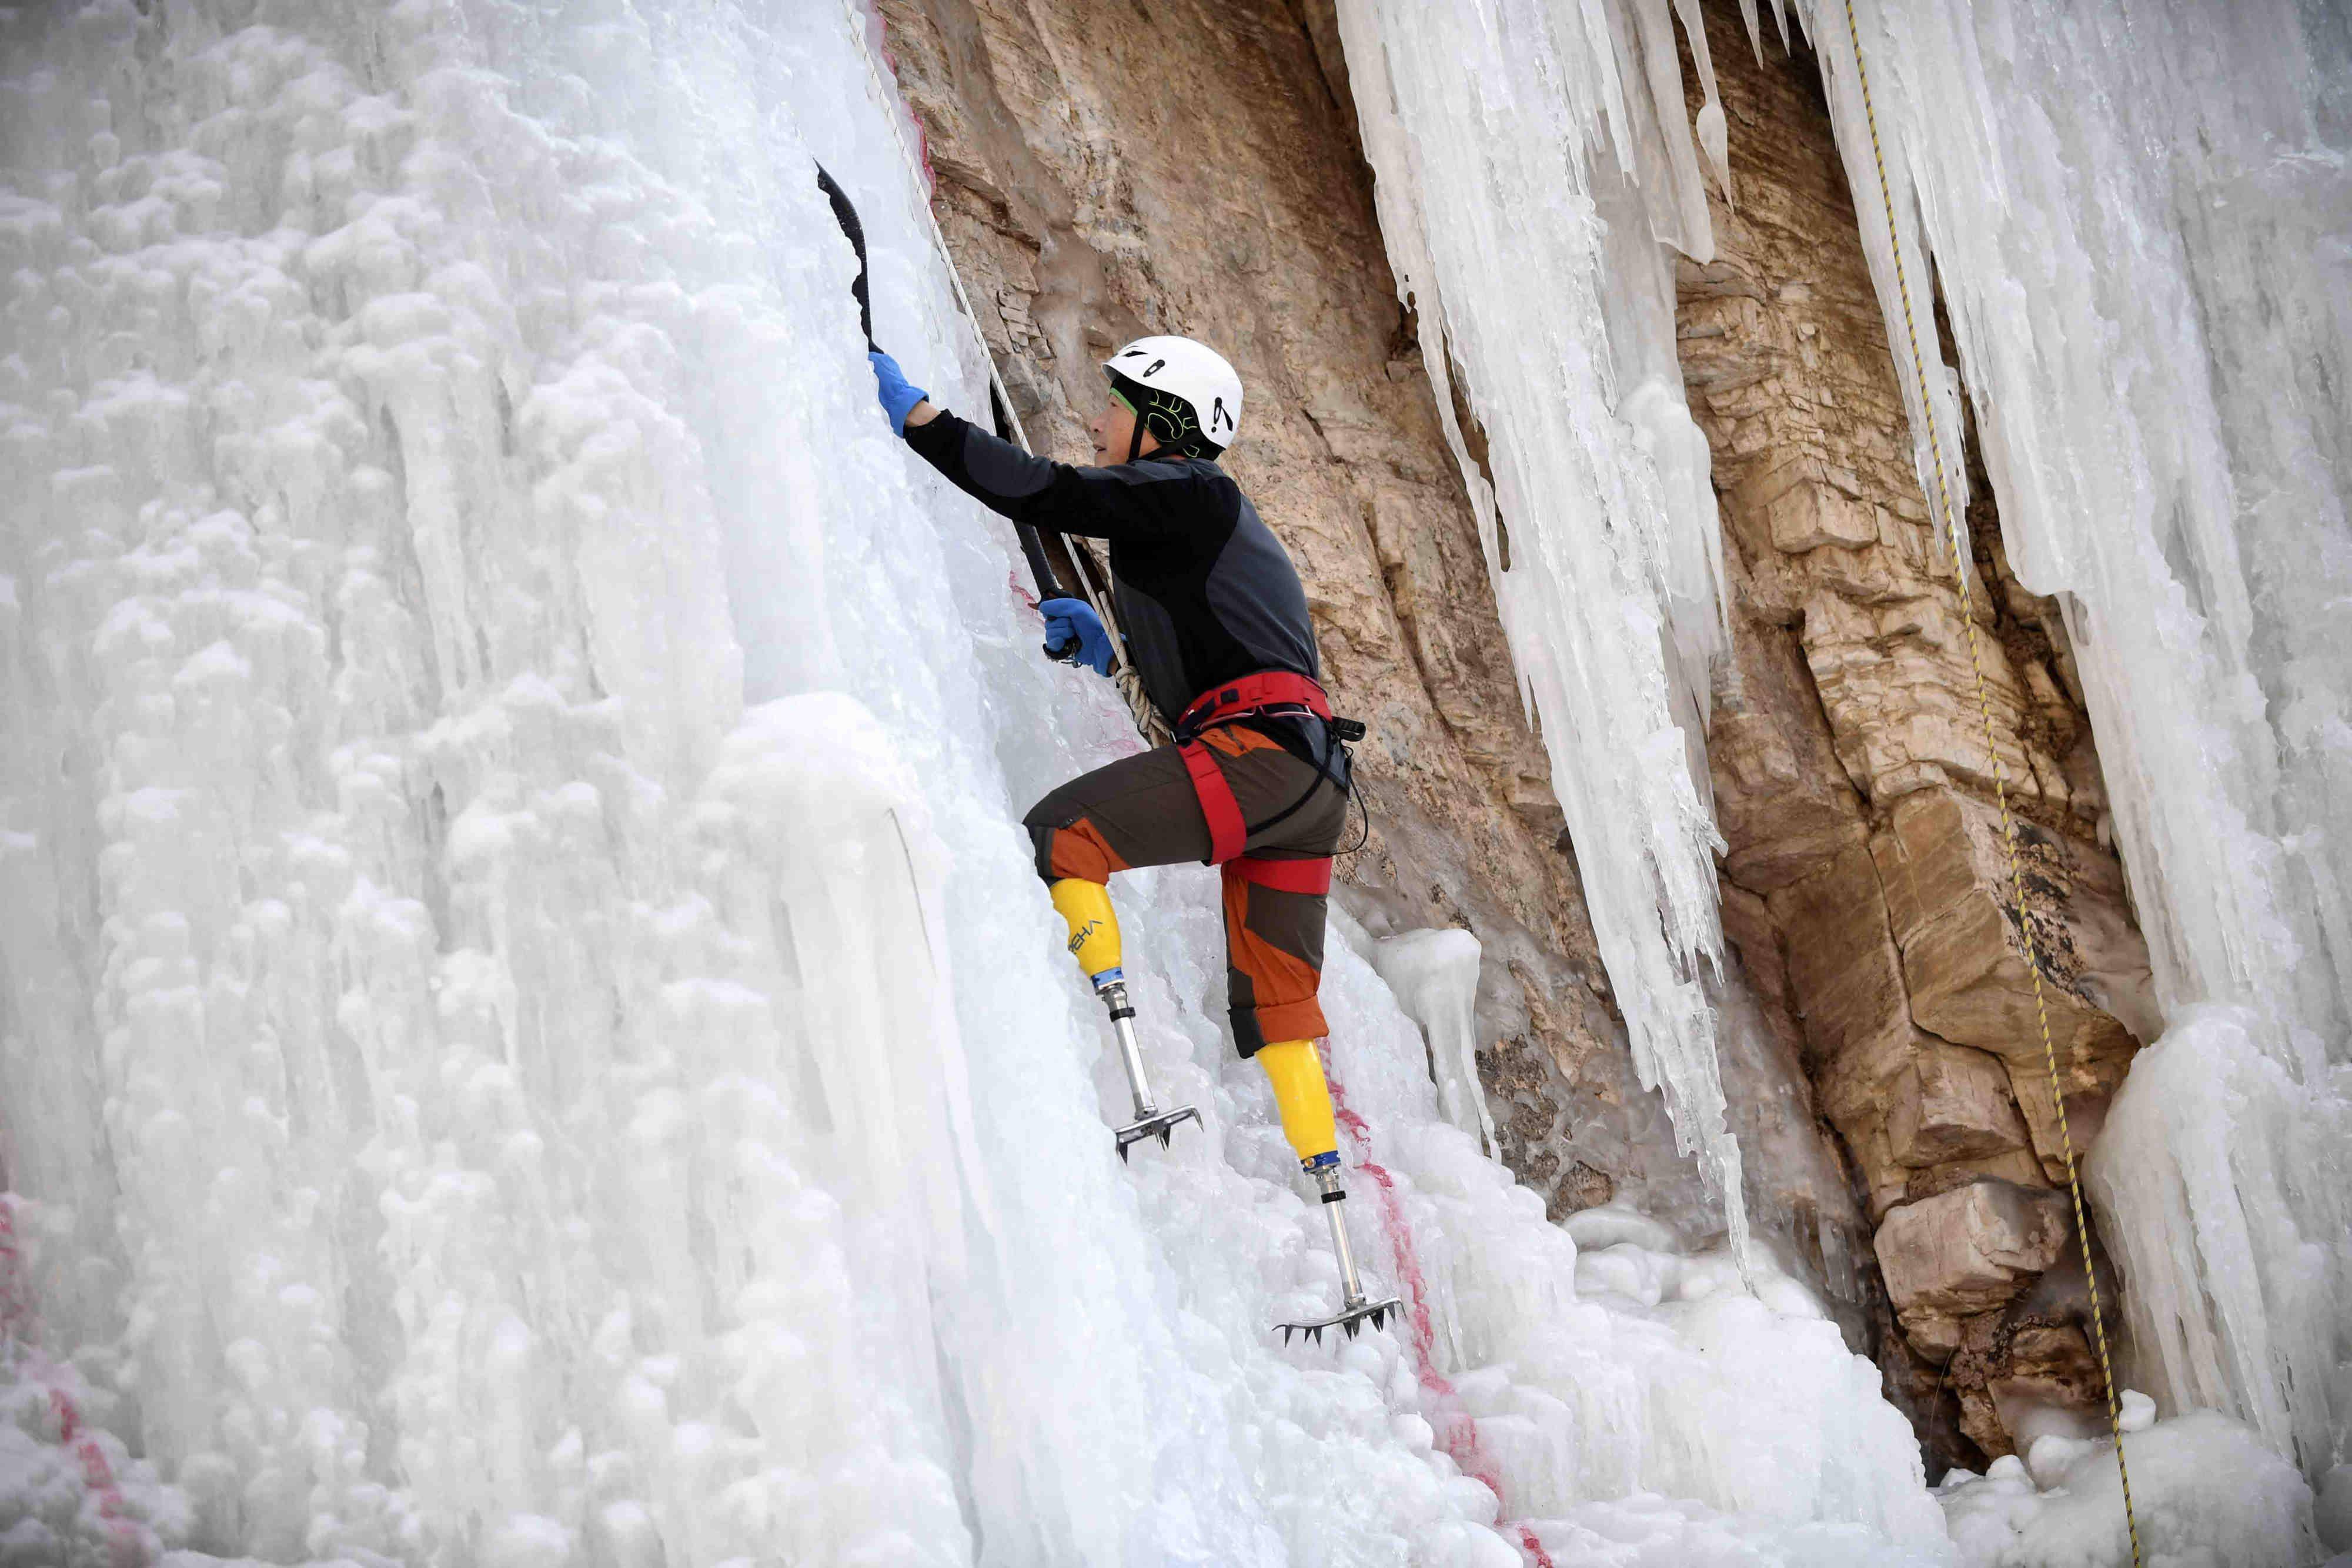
x=1592 y=478
x=1713 y=134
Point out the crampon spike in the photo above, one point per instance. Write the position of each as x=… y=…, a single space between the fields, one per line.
x=1159 y=1124
x=1350 y=1319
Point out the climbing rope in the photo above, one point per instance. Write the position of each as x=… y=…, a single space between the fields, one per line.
x=1961 y=556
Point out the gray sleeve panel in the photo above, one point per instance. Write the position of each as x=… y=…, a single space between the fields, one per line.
x=1255 y=592
x=1153 y=645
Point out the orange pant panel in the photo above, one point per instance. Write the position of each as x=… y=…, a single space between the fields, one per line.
x=1081 y=850
x=1274 y=964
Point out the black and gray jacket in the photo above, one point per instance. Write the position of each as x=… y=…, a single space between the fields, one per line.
x=1202 y=589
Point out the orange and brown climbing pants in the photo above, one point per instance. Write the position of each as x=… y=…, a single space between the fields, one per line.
x=1147 y=811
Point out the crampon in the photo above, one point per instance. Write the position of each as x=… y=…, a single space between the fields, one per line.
x=1356 y=1307
x=1350 y=1319
x=1149 y=1121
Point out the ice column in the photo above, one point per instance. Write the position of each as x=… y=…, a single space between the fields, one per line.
x=1434 y=975
x=2139 y=214
x=1502 y=134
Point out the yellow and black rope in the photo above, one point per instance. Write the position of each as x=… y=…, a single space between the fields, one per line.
x=1956 y=531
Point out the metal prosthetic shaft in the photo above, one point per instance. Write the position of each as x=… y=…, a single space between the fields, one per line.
x=1350 y=1283
x=1149 y=1118
x=1122 y=1023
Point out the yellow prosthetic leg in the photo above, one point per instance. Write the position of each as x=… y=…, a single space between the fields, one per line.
x=1094 y=929
x=1304 y=1101
x=1094 y=942
x=1303 y=1098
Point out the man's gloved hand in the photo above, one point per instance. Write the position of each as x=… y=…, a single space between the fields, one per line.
x=1075 y=635
x=898 y=396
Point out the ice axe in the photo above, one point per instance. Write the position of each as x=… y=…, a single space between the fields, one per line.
x=1033 y=547
x=846 y=216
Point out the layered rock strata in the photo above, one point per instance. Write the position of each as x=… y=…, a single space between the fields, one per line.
x=1853 y=761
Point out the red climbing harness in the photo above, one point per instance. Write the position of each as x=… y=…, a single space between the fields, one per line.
x=1267 y=694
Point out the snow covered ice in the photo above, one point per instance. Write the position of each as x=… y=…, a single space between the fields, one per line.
x=2206 y=1491
x=530 y=1035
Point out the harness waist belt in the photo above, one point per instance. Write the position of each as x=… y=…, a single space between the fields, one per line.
x=1246 y=698
x=1251 y=694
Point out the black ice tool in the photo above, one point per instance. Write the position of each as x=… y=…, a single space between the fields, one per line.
x=846 y=216
x=1033 y=548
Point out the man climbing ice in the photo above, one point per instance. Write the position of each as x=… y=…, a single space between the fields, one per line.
x=1216 y=625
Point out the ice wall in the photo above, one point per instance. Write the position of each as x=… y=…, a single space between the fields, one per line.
x=1532 y=165
x=2140 y=215
x=528 y=1035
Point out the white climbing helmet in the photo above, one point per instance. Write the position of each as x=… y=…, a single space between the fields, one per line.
x=1184 y=392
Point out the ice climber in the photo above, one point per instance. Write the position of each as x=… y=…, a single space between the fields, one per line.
x=1216 y=625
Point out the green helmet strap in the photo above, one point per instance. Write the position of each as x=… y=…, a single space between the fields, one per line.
x=1168 y=417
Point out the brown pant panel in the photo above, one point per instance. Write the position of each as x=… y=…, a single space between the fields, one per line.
x=1139 y=810
x=1142 y=810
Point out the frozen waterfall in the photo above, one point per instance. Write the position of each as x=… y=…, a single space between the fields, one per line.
x=527 y=1034
x=1529 y=158
x=530 y=1036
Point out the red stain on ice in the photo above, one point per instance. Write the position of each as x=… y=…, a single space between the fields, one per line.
x=126 y=1547
x=878 y=32
x=1457 y=1429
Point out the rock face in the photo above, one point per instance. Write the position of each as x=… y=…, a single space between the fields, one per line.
x=1970 y=1249
x=1855 y=764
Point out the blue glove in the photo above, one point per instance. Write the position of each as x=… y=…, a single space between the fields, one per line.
x=1075 y=635
x=897 y=397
